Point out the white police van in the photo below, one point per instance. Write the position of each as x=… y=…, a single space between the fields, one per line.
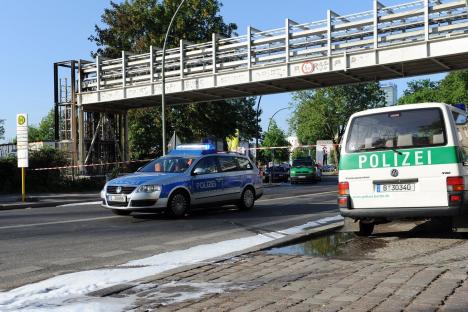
x=408 y=161
x=190 y=175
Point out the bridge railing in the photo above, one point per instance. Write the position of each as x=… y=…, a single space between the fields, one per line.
x=381 y=27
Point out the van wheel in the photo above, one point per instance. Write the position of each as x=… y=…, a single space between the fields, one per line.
x=365 y=229
x=178 y=204
x=247 y=200
x=121 y=212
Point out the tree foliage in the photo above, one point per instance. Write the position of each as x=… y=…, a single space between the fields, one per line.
x=275 y=137
x=44 y=131
x=322 y=114
x=419 y=91
x=2 y=129
x=135 y=25
x=452 y=89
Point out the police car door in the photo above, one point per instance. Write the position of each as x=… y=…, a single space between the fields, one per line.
x=207 y=181
x=233 y=177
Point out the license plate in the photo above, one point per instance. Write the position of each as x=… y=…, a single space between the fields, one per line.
x=302 y=177
x=408 y=187
x=117 y=198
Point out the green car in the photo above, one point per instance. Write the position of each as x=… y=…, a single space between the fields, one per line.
x=304 y=170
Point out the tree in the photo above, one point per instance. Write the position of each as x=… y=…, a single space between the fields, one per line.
x=191 y=122
x=135 y=25
x=452 y=89
x=322 y=114
x=138 y=24
x=45 y=131
x=275 y=137
x=2 y=129
x=420 y=91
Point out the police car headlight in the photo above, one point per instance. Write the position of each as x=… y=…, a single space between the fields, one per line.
x=149 y=188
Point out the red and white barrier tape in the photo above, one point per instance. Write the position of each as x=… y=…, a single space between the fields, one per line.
x=90 y=165
x=289 y=147
x=147 y=160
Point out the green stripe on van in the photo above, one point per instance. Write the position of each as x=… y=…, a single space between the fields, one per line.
x=409 y=157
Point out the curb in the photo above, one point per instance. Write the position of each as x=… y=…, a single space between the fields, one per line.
x=289 y=239
x=44 y=204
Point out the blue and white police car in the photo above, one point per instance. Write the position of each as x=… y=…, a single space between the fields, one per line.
x=190 y=175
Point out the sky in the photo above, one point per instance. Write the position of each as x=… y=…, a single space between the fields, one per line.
x=35 y=34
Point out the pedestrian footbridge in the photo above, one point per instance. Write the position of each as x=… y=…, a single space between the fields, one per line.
x=420 y=37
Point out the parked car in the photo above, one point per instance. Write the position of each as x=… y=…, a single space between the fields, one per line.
x=328 y=168
x=190 y=175
x=305 y=170
x=277 y=173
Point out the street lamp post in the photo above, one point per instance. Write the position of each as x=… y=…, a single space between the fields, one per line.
x=258 y=118
x=272 y=171
x=163 y=80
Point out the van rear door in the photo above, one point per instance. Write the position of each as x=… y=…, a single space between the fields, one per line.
x=399 y=159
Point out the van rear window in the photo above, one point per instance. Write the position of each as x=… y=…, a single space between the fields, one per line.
x=397 y=130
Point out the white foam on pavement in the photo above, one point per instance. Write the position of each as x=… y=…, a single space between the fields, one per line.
x=67 y=292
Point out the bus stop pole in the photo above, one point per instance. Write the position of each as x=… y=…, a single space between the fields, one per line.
x=23 y=185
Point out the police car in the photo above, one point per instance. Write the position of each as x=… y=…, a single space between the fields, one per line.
x=190 y=175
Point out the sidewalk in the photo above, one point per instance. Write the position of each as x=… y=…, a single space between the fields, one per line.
x=9 y=202
x=384 y=273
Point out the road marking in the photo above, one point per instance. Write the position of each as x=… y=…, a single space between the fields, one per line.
x=289 y=197
x=118 y=217
x=112 y=253
x=149 y=248
x=82 y=204
x=22 y=270
x=66 y=261
x=57 y=222
x=239 y=229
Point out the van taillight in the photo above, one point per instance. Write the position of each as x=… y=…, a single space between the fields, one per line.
x=343 y=188
x=455 y=184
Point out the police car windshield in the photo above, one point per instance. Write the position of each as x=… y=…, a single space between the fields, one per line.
x=302 y=163
x=168 y=165
x=397 y=130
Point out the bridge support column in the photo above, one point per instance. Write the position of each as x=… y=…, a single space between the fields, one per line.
x=81 y=134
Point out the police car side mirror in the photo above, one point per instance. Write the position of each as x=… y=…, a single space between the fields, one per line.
x=139 y=169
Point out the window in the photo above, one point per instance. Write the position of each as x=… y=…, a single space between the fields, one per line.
x=399 y=129
x=228 y=163
x=462 y=129
x=303 y=163
x=244 y=163
x=168 y=164
x=207 y=165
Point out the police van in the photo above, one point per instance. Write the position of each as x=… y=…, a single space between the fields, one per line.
x=190 y=175
x=408 y=161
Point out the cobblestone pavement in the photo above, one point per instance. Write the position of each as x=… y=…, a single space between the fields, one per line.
x=390 y=272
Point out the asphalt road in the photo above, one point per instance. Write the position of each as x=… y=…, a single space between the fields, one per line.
x=39 y=243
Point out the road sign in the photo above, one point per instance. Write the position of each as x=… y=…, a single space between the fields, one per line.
x=22 y=140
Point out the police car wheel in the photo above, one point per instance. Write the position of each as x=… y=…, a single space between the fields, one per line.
x=247 y=199
x=178 y=204
x=121 y=212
